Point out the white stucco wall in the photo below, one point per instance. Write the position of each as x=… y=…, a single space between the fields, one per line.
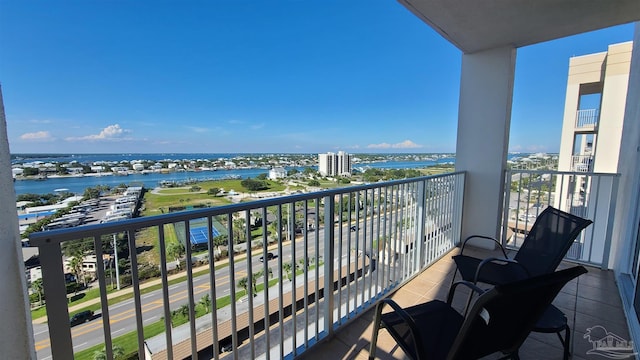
x=16 y=333
x=628 y=201
x=486 y=91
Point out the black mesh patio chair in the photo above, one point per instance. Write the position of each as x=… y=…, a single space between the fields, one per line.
x=544 y=247
x=498 y=322
x=542 y=250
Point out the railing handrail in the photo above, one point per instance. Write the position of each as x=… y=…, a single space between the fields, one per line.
x=557 y=172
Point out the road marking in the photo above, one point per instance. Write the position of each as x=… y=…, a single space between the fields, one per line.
x=130 y=313
x=128 y=302
x=148 y=296
x=84 y=343
x=41 y=332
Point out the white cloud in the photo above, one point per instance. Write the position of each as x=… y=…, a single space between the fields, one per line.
x=110 y=133
x=37 y=136
x=198 y=129
x=235 y=122
x=40 y=121
x=257 y=126
x=407 y=144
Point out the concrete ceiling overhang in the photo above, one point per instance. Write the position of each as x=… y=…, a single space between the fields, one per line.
x=477 y=25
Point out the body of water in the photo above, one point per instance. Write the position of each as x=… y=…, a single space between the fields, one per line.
x=79 y=184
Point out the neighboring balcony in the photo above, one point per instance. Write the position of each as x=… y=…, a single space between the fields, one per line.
x=587 y=119
x=324 y=276
x=582 y=163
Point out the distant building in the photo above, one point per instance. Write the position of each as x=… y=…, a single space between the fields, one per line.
x=331 y=164
x=277 y=172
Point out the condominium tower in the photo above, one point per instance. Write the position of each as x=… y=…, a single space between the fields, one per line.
x=331 y=164
x=593 y=118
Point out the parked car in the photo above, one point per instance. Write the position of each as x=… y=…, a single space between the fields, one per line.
x=81 y=317
x=269 y=256
x=354 y=228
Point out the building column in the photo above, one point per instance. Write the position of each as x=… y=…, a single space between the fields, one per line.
x=16 y=335
x=627 y=212
x=484 y=116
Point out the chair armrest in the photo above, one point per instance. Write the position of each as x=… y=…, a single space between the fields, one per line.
x=400 y=311
x=494 y=259
x=405 y=317
x=468 y=284
x=483 y=237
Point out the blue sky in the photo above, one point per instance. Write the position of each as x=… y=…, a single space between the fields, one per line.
x=254 y=76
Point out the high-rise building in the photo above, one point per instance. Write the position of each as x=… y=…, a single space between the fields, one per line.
x=594 y=110
x=593 y=117
x=332 y=164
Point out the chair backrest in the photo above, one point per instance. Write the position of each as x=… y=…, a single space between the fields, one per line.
x=502 y=318
x=549 y=239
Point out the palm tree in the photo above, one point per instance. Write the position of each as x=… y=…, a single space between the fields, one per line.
x=205 y=302
x=257 y=275
x=38 y=288
x=239 y=235
x=76 y=265
x=244 y=284
x=287 y=267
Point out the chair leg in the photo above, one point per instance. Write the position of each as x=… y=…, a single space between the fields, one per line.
x=376 y=328
x=567 y=342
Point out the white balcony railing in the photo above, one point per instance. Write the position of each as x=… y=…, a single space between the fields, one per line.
x=587 y=118
x=591 y=196
x=582 y=163
x=350 y=246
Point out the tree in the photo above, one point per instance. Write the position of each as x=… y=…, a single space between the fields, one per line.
x=91 y=193
x=288 y=267
x=262 y=176
x=239 y=235
x=183 y=310
x=38 y=288
x=244 y=284
x=175 y=250
x=314 y=183
x=258 y=275
x=213 y=191
x=205 y=302
x=29 y=171
x=118 y=353
x=220 y=240
x=292 y=172
x=254 y=185
x=76 y=266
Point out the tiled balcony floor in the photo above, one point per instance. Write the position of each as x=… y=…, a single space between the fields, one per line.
x=591 y=299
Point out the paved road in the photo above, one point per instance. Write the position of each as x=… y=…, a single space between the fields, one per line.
x=122 y=315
